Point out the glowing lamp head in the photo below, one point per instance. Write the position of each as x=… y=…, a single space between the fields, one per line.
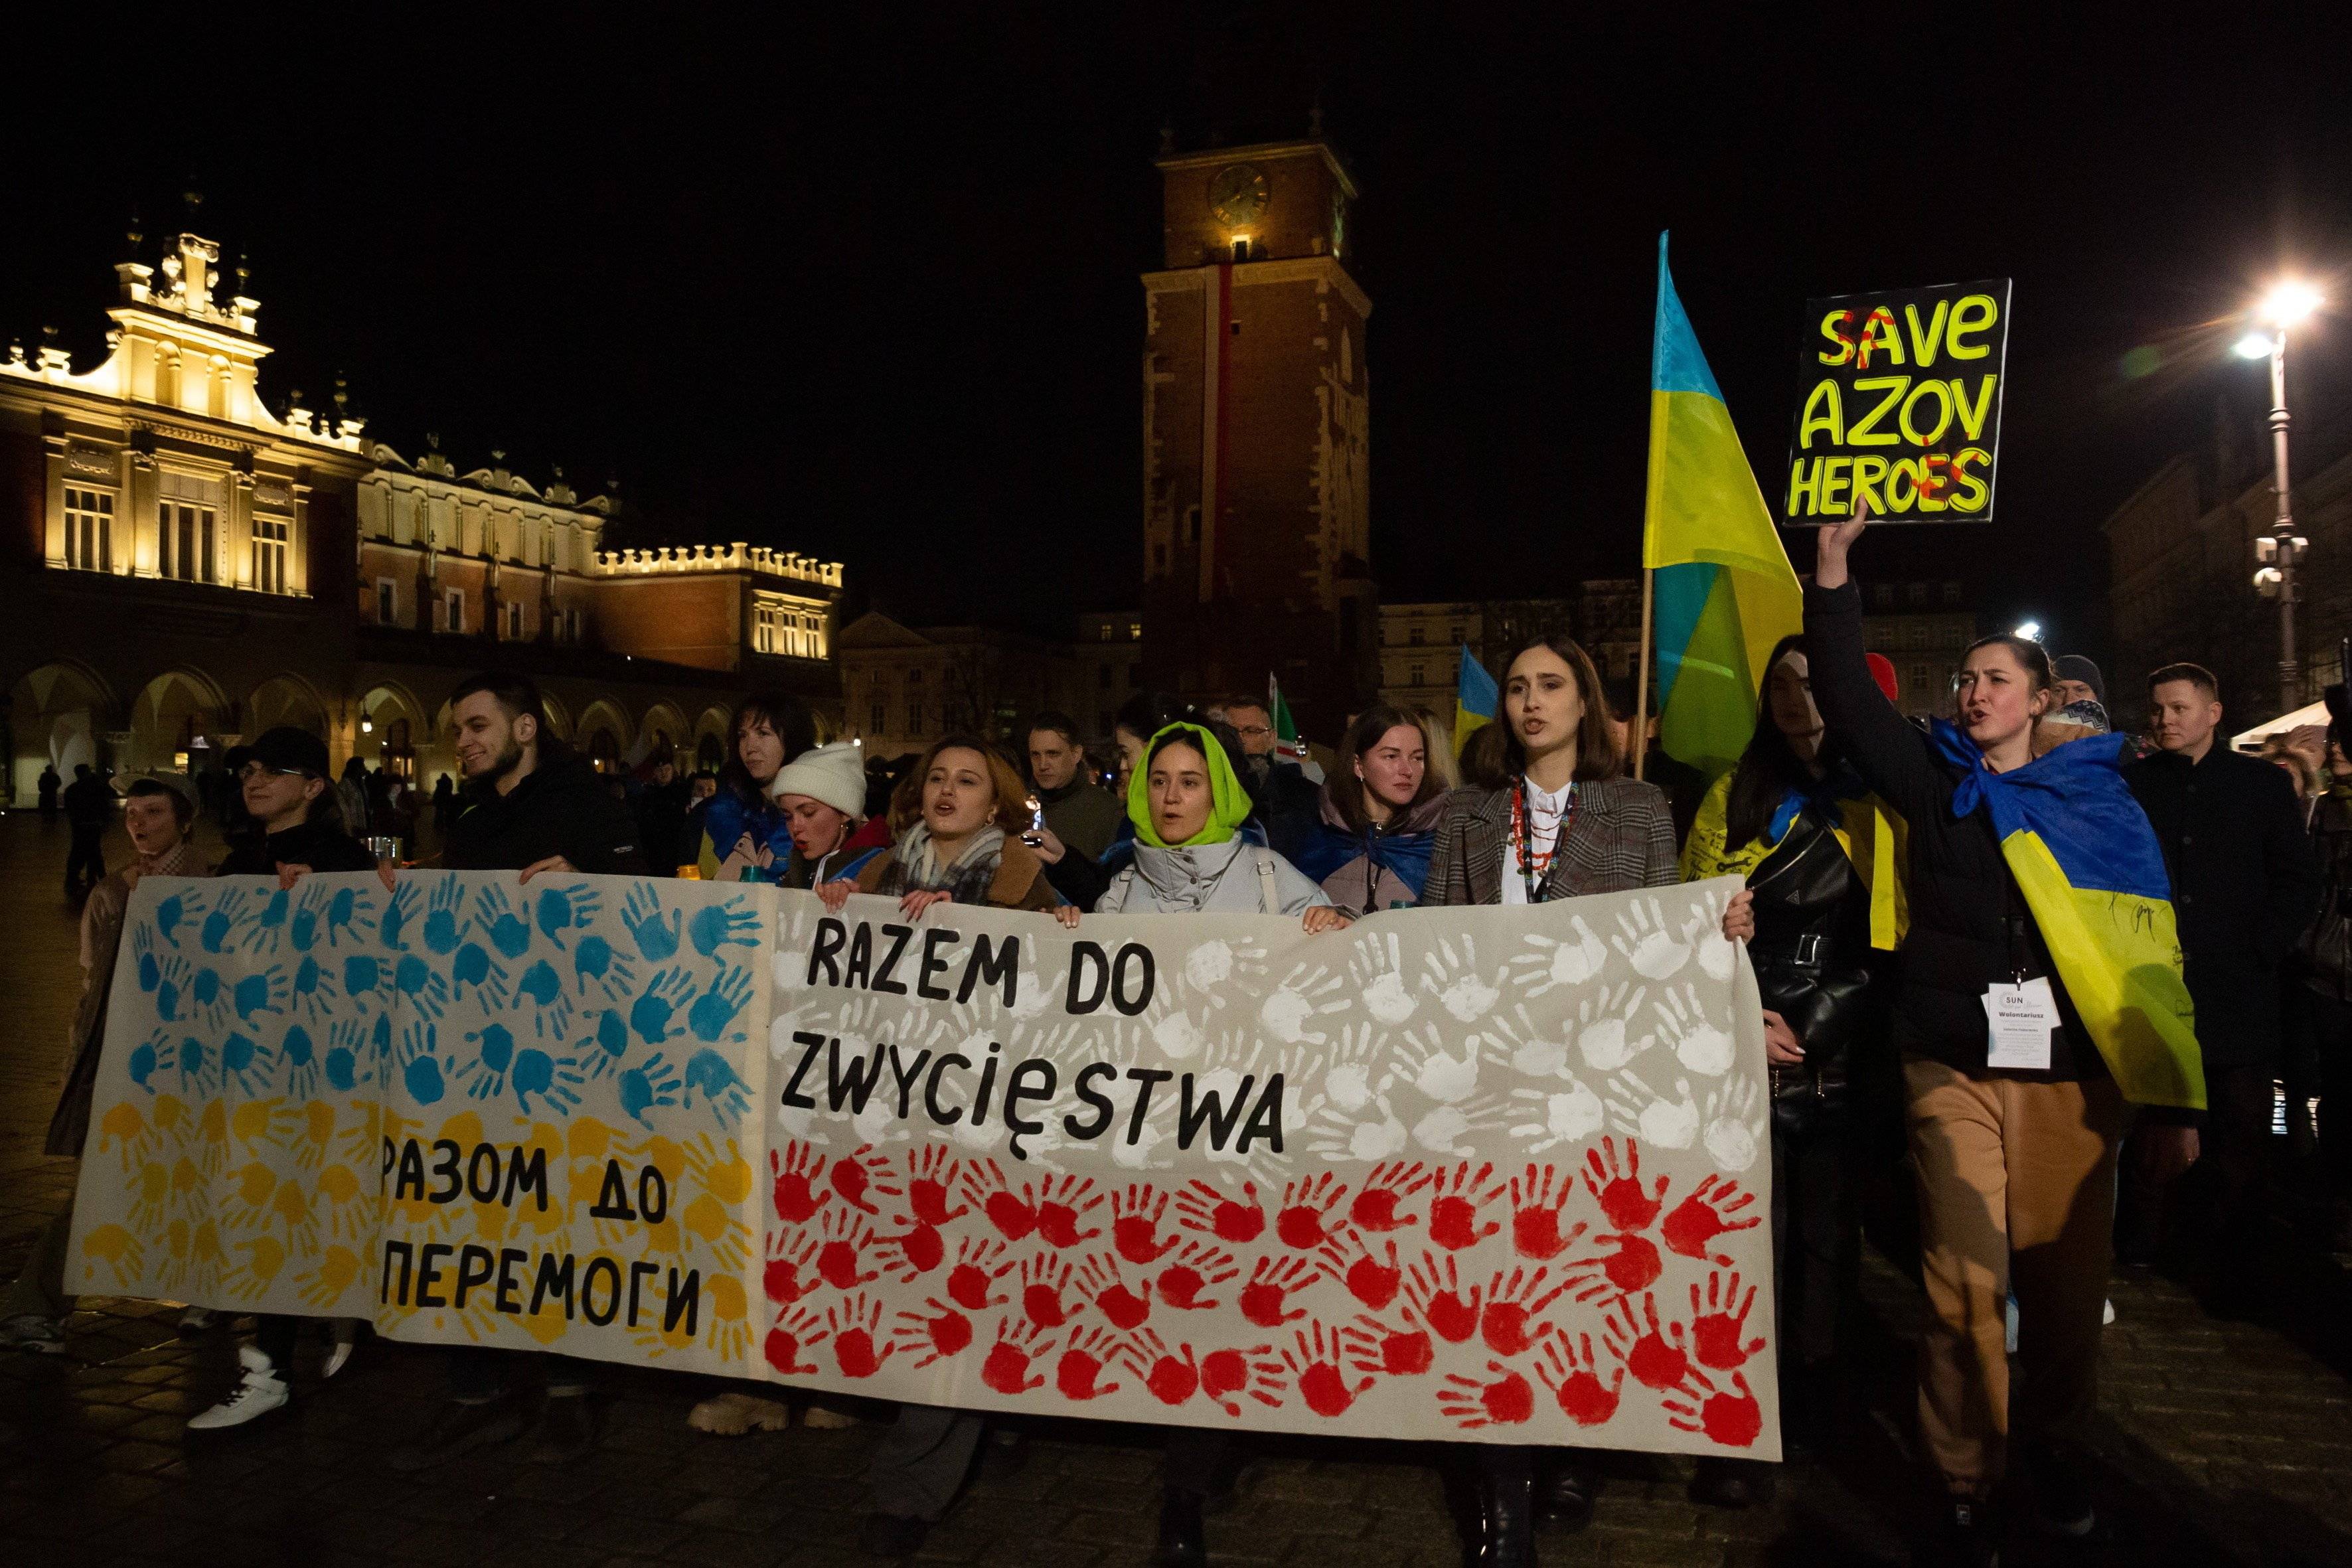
x=2289 y=304
x=2255 y=345
x=2030 y=630
x=367 y=726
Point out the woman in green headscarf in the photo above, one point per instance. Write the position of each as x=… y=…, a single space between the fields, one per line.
x=1188 y=804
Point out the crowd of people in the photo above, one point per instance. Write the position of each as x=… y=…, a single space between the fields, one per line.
x=1880 y=913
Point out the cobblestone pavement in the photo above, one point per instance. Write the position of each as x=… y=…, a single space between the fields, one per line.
x=2221 y=1441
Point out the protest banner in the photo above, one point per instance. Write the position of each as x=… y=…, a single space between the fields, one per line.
x=1476 y=1174
x=1899 y=404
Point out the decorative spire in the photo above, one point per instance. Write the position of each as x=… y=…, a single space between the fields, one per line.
x=1315 y=120
x=1168 y=137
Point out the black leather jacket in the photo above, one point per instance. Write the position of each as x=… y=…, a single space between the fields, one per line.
x=1816 y=968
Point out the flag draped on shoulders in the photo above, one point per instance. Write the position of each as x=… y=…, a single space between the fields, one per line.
x=1872 y=833
x=2092 y=872
x=1476 y=699
x=1724 y=592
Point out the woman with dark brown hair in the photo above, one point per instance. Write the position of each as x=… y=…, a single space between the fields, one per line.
x=1379 y=814
x=1544 y=814
x=745 y=837
x=957 y=815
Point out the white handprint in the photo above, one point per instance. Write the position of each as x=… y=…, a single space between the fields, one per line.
x=1209 y=964
x=1135 y=1156
x=1554 y=964
x=1703 y=1048
x=1640 y=1111
x=1382 y=985
x=1570 y=1117
x=1349 y=1085
x=1719 y=955
x=1443 y=1078
x=1603 y=1040
x=1731 y=1132
x=1441 y=1130
x=1177 y=1036
x=1648 y=945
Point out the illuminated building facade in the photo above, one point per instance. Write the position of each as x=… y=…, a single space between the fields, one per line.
x=184 y=567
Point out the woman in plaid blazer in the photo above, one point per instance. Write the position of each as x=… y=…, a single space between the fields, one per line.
x=1544 y=814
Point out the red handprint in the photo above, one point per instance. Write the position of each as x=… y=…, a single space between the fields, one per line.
x=1634 y=1265
x=1375 y=1346
x=1698 y=1219
x=921 y=1250
x=1135 y=1223
x=796 y=1169
x=985 y=1185
x=1618 y=1189
x=853 y=1173
x=1306 y=1205
x=1006 y=1366
x=1227 y=1372
x=1316 y=1365
x=1535 y=1211
x=1369 y=1281
x=1267 y=1292
x=1573 y=1375
x=853 y=1324
x=931 y=1173
x=1434 y=1297
x=1658 y=1357
x=1454 y=1216
x=1511 y=1301
x=1082 y=1363
x=836 y=1261
x=1197 y=1268
x=1470 y=1404
x=783 y=1279
x=975 y=1270
x=1375 y=1209
x=1716 y=1327
x=1099 y=1281
x=1732 y=1419
x=797 y=1331
x=943 y=1332
x=1043 y=1281
x=1060 y=1203
x=1200 y=1206
x=1172 y=1376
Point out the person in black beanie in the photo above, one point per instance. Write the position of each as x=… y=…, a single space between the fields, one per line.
x=2076 y=679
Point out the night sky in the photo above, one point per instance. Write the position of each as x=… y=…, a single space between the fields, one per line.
x=871 y=293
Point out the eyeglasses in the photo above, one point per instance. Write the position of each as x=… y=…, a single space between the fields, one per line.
x=1250 y=732
x=252 y=771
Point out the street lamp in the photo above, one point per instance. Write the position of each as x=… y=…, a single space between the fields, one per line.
x=2288 y=304
x=2030 y=630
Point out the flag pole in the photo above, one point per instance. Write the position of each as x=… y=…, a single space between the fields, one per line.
x=1641 y=735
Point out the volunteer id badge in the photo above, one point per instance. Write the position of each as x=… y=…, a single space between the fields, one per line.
x=2022 y=1017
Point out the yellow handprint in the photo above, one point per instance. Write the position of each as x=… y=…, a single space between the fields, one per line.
x=212 y=1131
x=335 y=1274
x=262 y=1122
x=729 y=1241
x=149 y=1190
x=268 y=1256
x=731 y=1325
x=119 y=1249
x=125 y=1125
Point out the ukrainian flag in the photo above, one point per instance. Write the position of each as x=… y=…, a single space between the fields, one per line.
x=2088 y=863
x=1475 y=700
x=1724 y=593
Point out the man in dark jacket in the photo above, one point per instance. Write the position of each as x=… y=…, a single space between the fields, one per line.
x=661 y=818
x=531 y=804
x=1288 y=803
x=2243 y=890
x=1083 y=817
x=89 y=803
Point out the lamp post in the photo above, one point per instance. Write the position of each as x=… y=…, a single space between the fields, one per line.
x=2286 y=305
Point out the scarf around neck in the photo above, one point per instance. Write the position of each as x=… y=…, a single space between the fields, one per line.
x=918 y=858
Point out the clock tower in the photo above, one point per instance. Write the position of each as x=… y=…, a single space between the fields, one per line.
x=1256 y=435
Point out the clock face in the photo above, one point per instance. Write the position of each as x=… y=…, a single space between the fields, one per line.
x=1237 y=194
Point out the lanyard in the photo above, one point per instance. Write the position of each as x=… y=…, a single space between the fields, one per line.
x=1533 y=875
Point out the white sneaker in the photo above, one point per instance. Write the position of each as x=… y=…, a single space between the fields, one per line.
x=34 y=1331
x=196 y=1321
x=2108 y=1316
x=258 y=1393
x=346 y=1332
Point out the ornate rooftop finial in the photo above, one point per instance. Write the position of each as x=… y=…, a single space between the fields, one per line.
x=135 y=236
x=498 y=455
x=1315 y=120
x=244 y=275
x=342 y=395
x=1168 y=137
x=195 y=199
x=433 y=439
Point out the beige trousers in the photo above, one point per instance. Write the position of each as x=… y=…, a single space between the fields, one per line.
x=2016 y=1193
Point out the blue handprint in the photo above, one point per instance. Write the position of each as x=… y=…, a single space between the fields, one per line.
x=269 y=927
x=562 y=909
x=144 y=1058
x=214 y=931
x=494 y=1054
x=151 y=972
x=550 y=1078
x=168 y=916
x=722 y=1088
x=194 y=1065
x=642 y=914
x=421 y=1070
x=716 y=1009
x=345 y=910
x=474 y=966
x=392 y=929
x=723 y=925
x=170 y=987
x=302 y=930
x=205 y=992
x=363 y=977
x=442 y=929
x=507 y=932
x=643 y=1087
x=594 y=959
x=612 y=1039
x=543 y=989
x=344 y=1041
x=314 y=988
x=380 y=1038
x=423 y=987
x=262 y=993
x=650 y=1015
x=247 y=1060
x=300 y=1055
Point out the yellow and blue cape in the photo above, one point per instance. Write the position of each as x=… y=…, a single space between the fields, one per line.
x=2089 y=865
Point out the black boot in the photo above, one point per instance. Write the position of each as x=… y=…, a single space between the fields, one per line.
x=1507 y=1517
x=1182 y=1543
x=1567 y=1493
